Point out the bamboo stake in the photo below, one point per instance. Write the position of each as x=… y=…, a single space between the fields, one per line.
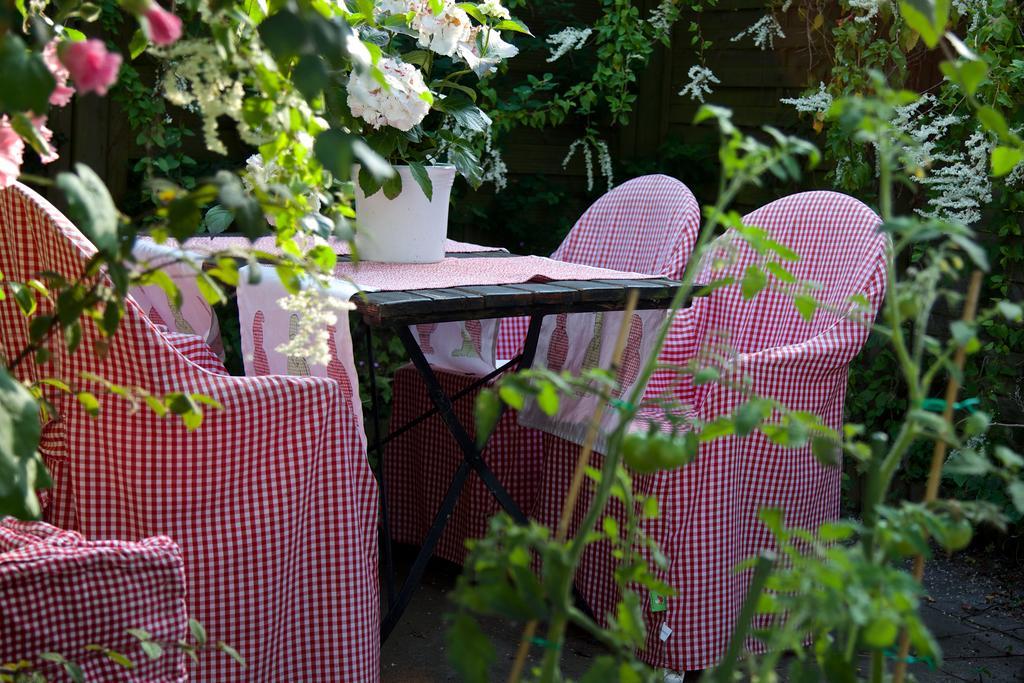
x=939 y=454
x=593 y=430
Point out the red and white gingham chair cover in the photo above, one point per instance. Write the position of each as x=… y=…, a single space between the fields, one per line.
x=271 y=499
x=708 y=509
x=646 y=225
x=60 y=593
x=195 y=315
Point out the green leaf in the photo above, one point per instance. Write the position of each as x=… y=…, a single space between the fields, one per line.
x=89 y=402
x=392 y=186
x=21 y=470
x=511 y=396
x=547 y=399
x=825 y=450
x=993 y=121
x=467 y=163
x=806 y=306
x=310 y=76
x=927 y=17
x=138 y=43
x=749 y=415
x=486 y=413
x=247 y=211
x=119 y=659
x=469 y=650
x=91 y=207
x=286 y=35
x=24 y=297
x=230 y=652
x=377 y=165
x=152 y=650
x=367 y=183
x=472 y=10
x=967 y=74
x=1005 y=159
x=754 y=280
x=513 y=25
x=780 y=272
x=197 y=631
x=422 y=178
x=25 y=82
x=333 y=149
x=1011 y=311
x=974 y=251
x=465 y=113
x=1016 y=491
x=217 y=219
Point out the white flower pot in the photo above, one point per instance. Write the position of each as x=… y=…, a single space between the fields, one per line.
x=409 y=228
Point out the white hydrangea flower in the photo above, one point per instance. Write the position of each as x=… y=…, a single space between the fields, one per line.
x=871 y=8
x=496 y=50
x=700 y=79
x=494 y=8
x=402 y=104
x=443 y=32
x=816 y=103
x=565 y=40
x=316 y=311
x=396 y=6
x=764 y=31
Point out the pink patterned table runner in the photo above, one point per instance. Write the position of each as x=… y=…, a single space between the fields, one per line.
x=466 y=272
x=208 y=245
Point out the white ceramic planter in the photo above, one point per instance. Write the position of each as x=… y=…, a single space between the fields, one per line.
x=409 y=228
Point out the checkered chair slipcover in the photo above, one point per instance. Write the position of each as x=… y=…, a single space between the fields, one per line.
x=271 y=499
x=61 y=593
x=195 y=315
x=647 y=225
x=708 y=509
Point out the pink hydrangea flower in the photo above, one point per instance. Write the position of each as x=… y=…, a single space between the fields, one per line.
x=12 y=150
x=61 y=95
x=162 y=27
x=91 y=66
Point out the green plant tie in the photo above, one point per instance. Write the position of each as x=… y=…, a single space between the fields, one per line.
x=543 y=642
x=619 y=404
x=937 y=405
x=892 y=654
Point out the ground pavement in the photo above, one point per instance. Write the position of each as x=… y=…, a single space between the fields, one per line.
x=975 y=607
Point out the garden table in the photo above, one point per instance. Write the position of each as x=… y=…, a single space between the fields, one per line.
x=397 y=310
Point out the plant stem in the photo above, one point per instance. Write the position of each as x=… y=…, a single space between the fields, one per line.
x=939 y=453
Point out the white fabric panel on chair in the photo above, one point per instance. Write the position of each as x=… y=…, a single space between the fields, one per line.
x=265 y=326
x=195 y=315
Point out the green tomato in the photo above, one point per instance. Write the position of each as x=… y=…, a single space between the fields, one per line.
x=638 y=454
x=957 y=535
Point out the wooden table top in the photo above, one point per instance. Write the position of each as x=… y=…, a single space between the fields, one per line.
x=409 y=307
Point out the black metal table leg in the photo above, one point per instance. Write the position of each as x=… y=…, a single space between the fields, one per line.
x=384 y=535
x=472 y=459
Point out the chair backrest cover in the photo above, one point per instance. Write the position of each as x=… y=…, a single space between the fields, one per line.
x=645 y=225
x=61 y=593
x=195 y=315
x=840 y=250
